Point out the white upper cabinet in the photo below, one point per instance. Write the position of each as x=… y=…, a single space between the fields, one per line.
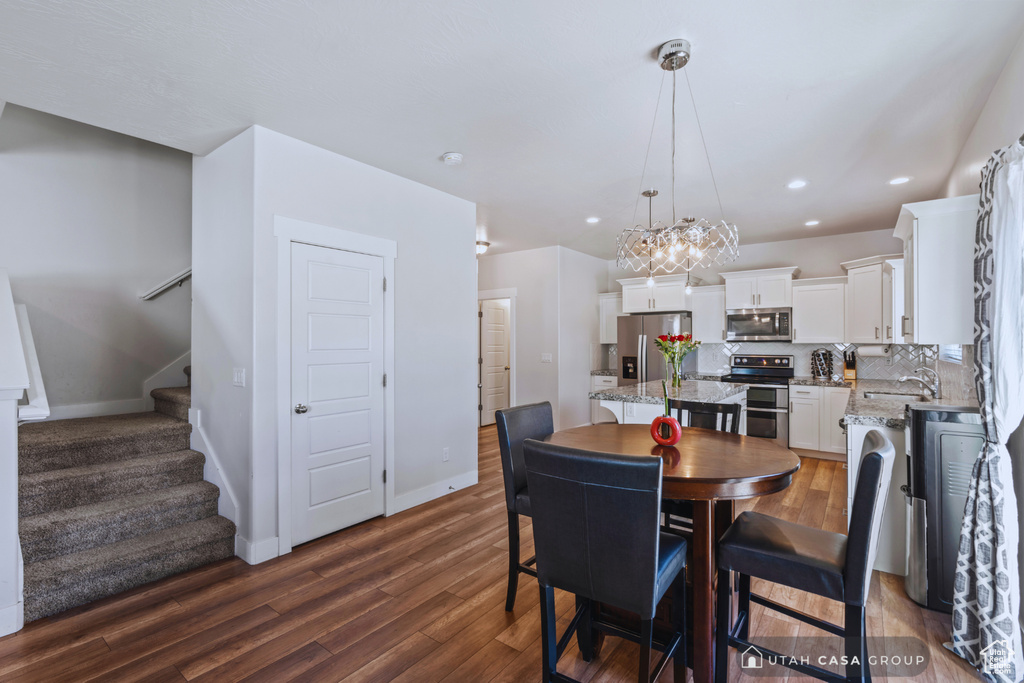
x=938 y=266
x=668 y=294
x=708 y=306
x=741 y=292
x=819 y=311
x=869 y=300
x=768 y=288
x=609 y=312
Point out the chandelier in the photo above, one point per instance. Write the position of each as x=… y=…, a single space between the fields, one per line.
x=688 y=242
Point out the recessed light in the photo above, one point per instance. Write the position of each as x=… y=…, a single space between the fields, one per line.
x=811 y=224
x=593 y=219
x=796 y=184
x=900 y=180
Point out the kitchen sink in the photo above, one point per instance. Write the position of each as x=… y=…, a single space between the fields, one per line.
x=894 y=397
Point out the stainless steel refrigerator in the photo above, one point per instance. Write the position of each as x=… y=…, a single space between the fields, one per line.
x=639 y=358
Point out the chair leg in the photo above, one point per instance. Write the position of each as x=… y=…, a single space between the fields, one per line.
x=548 y=633
x=681 y=659
x=856 y=644
x=744 y=605
x=646 y=640
x=723 y=625
x=585 y=629
x=513 y=560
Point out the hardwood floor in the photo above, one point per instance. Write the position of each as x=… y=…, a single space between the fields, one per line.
x=414 y=597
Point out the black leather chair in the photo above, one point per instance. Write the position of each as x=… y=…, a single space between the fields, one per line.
x=820 y=562
x=533 y=421
x=595 y=527
x=706 y=415
x=722 y=417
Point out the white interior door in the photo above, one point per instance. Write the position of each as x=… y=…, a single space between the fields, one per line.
x=337 y=330
x=494 y=350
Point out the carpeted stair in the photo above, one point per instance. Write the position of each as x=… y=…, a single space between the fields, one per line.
x=110 y=503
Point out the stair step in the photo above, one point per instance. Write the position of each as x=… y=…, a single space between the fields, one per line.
x=43 y=492
x=63 y=582
x=88 y=526
x=60 y=444
x=173 y=401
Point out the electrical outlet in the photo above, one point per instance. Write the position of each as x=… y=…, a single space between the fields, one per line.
x=444 y=454
x=239 y=377
x=545 y=358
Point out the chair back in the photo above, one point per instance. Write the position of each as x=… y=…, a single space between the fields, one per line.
x=706 y=415
x=595 y=523
x=515 y=425
x=870 y=495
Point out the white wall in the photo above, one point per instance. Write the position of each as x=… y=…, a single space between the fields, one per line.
x=815 y=256
x=91 y=219
x=534 y=275
x=580 y=278
x=435 y=309
x=1000 y=123
x=222 y=314
x=557 y=314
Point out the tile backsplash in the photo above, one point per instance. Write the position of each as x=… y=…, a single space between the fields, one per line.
x=903 y=359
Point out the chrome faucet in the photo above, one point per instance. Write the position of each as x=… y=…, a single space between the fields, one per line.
x=935 y=388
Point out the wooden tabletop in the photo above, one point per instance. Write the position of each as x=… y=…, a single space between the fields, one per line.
x=704 y=465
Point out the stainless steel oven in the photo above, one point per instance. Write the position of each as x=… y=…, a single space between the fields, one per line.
x=768 y=413
x=759 y=324
x=767 y=406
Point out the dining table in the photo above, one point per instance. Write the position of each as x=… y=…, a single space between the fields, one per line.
x=713 y=469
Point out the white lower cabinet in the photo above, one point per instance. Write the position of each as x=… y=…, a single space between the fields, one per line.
x=599 y=414
x=814 y=414
x=892 y=535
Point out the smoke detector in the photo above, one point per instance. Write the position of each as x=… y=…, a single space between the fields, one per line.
x=451 y=158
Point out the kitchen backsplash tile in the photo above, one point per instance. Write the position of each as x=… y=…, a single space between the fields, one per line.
x=713 y=359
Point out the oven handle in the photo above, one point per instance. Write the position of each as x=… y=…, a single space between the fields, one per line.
x=766 y=410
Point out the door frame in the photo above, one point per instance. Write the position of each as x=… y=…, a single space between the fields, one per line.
x=510 y=294
x=288 y=230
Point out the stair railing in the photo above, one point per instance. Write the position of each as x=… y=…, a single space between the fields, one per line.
x=14 y=380
x=36 y=406
x=167 y=284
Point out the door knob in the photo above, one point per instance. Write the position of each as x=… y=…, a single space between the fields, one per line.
x=300 y=409
x=506 y=368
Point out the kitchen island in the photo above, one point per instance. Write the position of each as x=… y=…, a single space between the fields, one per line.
x=641 y=403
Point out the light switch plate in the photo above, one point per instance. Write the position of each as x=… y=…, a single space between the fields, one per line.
x=545 y=358
x=239 y=377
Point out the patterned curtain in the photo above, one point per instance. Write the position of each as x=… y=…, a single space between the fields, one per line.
x=986 y=594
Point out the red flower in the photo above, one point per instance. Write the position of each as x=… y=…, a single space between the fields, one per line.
x=663 y=337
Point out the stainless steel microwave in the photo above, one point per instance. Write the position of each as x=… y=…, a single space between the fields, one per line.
x=759 y=324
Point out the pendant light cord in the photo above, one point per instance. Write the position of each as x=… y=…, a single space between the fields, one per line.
x=674 y=147
x=650 y=140
x=702 y=140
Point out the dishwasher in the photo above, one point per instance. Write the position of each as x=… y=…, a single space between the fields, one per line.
x=943 y=443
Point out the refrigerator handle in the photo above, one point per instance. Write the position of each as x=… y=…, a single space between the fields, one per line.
x=641 y=345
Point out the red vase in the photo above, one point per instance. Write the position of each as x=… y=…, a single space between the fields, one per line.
x=666 y=430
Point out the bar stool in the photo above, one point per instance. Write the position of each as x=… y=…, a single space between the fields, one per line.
x=722 y=417
x=595 y=527
x=533 y=421
x=820 y=562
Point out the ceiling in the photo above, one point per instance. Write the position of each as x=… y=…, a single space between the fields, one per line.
x=550 y=101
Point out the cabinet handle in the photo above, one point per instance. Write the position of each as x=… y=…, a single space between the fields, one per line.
x=758 y=299
x=888 y=331
x=753 y=300
x=791 y=406
x=877 y=330
x=794 y=334
x=903 y=325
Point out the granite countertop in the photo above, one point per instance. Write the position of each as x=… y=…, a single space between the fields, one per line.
x=880 y=412
x=818 y=382
x=604 y=373
x=690 y=390
x=702 y=377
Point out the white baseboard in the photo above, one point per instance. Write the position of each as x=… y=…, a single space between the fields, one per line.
x=227 y=503
x=130 y=405
x=12 y=618
x=404 y=501
x=254 y=553
x=171 y=375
